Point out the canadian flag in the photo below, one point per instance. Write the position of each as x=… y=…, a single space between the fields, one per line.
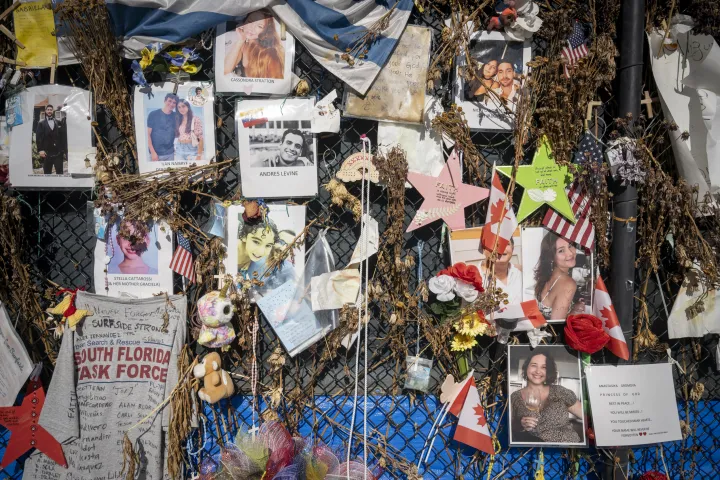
x=528 y=313
x=472 y=426
x=500 y=221
x=604 y=310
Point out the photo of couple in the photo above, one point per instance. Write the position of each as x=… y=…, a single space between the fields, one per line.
x=500 y=66
x=50 y=141
x=281 y=144
x=174 y=131
x=546 y=396
x=558 y=274
x=174 y=127
x=492 y=90
x=252 y=48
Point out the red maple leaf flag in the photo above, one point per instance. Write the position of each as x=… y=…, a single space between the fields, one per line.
x=604 y=310
x=472 y=426
x=500 y=221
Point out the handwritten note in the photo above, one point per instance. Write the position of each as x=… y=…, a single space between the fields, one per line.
x=398 y=93
x=633 y=404
x=35 y=28
x=15 y=364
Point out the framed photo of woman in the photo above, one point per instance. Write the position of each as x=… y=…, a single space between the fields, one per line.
x=252 y=56
x=137 y=258
x=546 y=397
x=489 y=101
x=174 y=129
x=557 y=273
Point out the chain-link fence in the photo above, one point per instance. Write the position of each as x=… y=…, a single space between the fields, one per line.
x=60 y=245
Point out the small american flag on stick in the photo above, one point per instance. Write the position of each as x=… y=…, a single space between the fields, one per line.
x=182 y=260
x=575 y=49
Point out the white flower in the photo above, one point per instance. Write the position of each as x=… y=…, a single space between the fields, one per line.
x=442 y=286
x=466 y=291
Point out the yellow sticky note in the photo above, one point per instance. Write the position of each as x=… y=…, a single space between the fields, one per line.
x=34 y=28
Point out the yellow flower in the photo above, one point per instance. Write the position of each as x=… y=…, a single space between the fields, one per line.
x=147 y=57
x=462 y=342
x=471 y=325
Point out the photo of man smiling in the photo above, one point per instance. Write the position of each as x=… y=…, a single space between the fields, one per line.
x=277 y=148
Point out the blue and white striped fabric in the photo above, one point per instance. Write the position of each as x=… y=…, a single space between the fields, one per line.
x=313 y=22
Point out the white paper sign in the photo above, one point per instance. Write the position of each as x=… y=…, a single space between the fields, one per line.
x=15 y=364
x=326 y=117
x=633 y=404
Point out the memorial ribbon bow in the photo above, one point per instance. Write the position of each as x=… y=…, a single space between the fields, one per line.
x=67 y=307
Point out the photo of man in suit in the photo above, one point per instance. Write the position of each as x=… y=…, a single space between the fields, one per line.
x=51 y=142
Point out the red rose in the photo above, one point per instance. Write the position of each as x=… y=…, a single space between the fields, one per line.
x=585 y=333
x=467 y=273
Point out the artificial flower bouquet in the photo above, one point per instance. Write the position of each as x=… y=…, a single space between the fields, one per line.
x=457 y=291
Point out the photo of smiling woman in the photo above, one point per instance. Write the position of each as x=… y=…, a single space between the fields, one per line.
x=256 y=242
x=545 y=396
x=558 y=275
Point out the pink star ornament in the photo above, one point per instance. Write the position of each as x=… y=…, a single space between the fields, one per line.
x=445 y=196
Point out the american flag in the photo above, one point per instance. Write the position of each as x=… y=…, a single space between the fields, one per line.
x=182 y=260
x=576 y=48
x=583 y=232
x=588 y=150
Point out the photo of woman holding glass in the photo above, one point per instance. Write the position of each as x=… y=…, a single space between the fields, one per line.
x=542 y=409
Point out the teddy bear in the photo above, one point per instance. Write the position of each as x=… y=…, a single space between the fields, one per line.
x=217 y=383
x=215 y=311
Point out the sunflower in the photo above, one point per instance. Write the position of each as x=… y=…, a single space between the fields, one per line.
x=462 y=342
x=472 y=325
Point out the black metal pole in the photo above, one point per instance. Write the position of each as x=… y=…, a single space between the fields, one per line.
x=622 y=250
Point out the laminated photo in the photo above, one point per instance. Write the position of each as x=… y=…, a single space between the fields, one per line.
x=489 y=101
x=251 y=56
x=466 y=247
x=278 y=151
x=55 y=132
x=137 y=257
x=556 y=273
x=282 y=296
x=546 y=397
x=174 y=130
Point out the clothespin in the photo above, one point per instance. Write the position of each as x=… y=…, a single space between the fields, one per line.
x=53 y=66
x=11 y=36
x=589 y=113
x=283 y=32
x=647 y=101
x=12 y=8
x=11 y=61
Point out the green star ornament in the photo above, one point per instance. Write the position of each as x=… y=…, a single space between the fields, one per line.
x=543 y=182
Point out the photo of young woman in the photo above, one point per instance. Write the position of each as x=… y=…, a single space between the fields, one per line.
x=545 y=396
x=256 y=51
x=249 y=49
x=133 y=241
x=560 y=276
x=189 y=139
x=132 y=258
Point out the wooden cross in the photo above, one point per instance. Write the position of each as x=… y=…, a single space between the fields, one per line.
x=647 y=101
x=589 y=113
x=220 y=279
x=253 y=431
